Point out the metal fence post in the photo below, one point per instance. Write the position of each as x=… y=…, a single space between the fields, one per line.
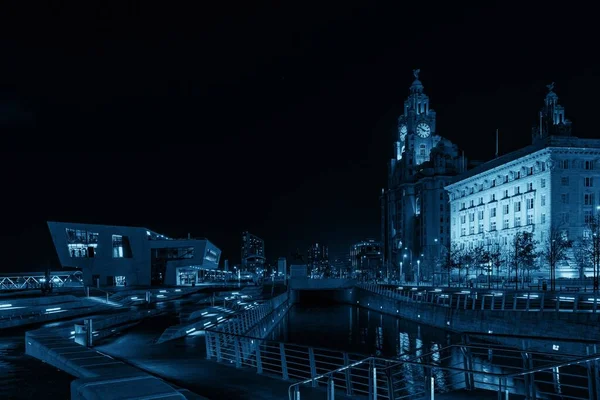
x=348 y=376
x=467 y=364
x=330 y=389
x=297 y=393
x=259 y=368
x=238 y=358
x=218 y=345
x=374 y=381
x=313 y=367
x=208 y=345
x=284 y=371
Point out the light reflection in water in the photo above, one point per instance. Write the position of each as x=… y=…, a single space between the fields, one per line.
x=360 y=331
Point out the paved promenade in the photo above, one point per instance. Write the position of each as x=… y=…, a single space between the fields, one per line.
x=185 y=365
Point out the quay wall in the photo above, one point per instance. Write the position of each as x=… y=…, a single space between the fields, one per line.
x=545 y=325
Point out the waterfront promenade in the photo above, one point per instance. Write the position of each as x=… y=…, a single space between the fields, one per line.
x=176 y=364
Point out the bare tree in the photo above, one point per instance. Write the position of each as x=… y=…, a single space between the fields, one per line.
x=454 y=260
x=589 y=246
x=495 y=258
x=555 y=251
x=583 y=253
x=524 y=255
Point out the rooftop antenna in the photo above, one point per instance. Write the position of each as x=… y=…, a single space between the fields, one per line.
x=496 y=142
x=541 y=116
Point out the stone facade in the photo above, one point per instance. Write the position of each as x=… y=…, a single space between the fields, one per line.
x=551 y=185
x=417 y=216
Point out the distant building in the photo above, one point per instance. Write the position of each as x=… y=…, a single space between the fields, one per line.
x=282 y=266
x=418 y=216
x=253 y=252
x=120 y=255
x=549 y=185
x=318 y=259
x=342 y=265
x=367 y=259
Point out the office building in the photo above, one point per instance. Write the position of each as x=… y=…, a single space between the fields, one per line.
x=552 y=184
x=253 y=252
x=367 y=260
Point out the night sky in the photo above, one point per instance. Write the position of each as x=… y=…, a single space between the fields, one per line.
x=273 y=117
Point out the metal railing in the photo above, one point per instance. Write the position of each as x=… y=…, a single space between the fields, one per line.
x=253 y=319
x=472 y=363
x=494 y=300
x=36 y=280
x=467 y=367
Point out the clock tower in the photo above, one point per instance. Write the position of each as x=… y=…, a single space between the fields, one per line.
x=416 y=202
x=416 y=129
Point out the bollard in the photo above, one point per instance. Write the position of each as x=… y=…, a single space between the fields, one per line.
x=147 y=296
x=89 y=331
x=87 y=291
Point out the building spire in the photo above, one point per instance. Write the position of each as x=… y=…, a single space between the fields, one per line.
x=552 y=117
x=417 y=86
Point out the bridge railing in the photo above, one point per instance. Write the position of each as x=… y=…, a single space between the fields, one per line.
x=499 y=300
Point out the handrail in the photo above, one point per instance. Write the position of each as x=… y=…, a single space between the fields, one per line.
x=587 y=302
x=316 y=378
x=396 y=364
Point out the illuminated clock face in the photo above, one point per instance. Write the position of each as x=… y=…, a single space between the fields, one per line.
x=423 y=130
x=403 y=131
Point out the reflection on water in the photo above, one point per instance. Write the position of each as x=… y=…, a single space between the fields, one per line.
x=24 y=377
x=361 y=331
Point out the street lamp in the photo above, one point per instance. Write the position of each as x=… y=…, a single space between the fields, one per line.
x=418 y=271
x=400 y=276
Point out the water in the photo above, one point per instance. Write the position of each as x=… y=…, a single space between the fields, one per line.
x=356 y=330
x=24 y=377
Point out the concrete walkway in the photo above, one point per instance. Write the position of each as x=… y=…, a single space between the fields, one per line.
x=218 y=381
x=185 y=365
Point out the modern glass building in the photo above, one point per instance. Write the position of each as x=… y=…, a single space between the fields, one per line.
x=135 y=256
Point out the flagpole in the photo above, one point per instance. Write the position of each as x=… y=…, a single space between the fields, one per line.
x=496 y=142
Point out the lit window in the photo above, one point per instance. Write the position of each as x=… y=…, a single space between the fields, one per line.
x=121 y=247
x=81 y=243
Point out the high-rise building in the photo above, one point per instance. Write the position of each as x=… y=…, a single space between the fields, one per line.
x=367 y=259
x=253 y=252
x=318 y=259
x=418 y=218
x=548 y=186
x=282 y=266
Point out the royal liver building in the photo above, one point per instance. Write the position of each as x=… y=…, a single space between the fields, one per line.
x=550 y=186
x=418 y=216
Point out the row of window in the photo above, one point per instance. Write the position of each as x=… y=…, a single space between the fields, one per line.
x=587 y=181
x=505 y=224
x=121 y=248
x=513 y=175
x=529 y=204
x=588 y=165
